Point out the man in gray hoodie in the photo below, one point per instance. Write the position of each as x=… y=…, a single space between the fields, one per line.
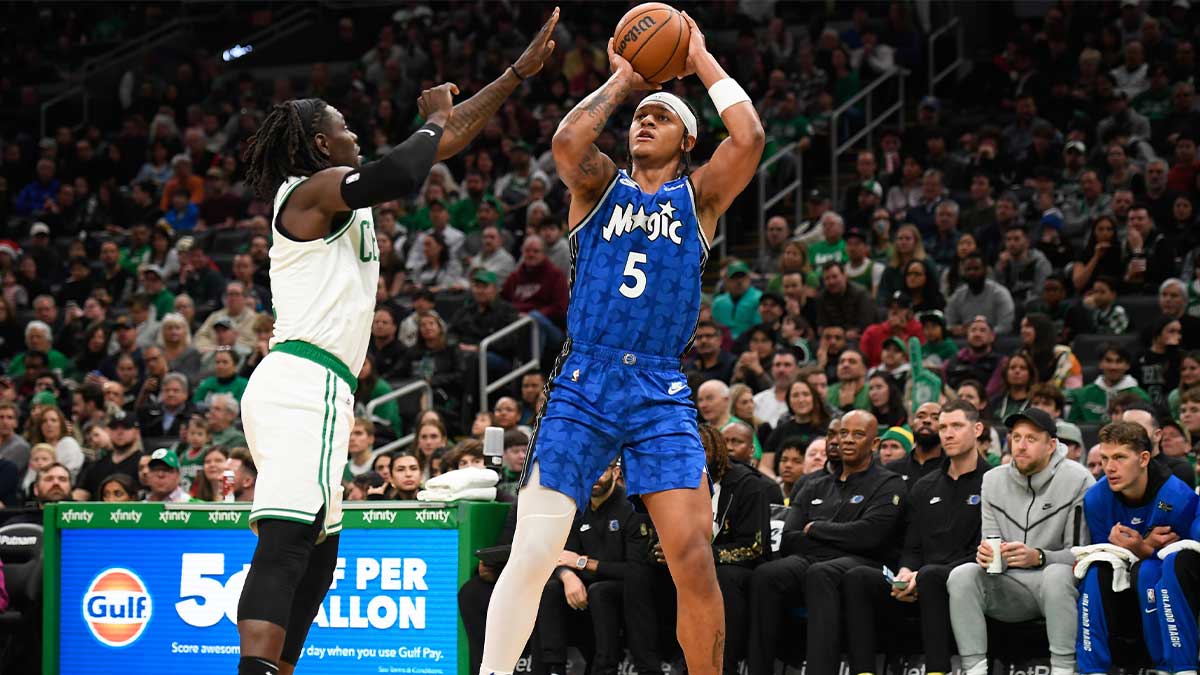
x=1035 y=507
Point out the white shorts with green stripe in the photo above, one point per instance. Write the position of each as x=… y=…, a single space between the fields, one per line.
x=297 y=415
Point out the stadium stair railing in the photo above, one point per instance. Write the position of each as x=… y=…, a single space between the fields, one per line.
x=871 y=120
x=416 y=386
x=956 y=66
x=533 y=364
x=795 y=189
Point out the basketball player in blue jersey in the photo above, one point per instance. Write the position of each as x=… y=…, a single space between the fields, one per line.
x=1139 y=506
x=639 y=242
x=298 y=406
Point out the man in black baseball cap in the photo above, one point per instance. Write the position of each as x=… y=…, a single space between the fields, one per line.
x=860 y=268
x=898 y=324
x=1035 y=416
x=816 y=202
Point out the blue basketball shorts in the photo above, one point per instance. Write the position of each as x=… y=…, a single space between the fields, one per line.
x=606 y=403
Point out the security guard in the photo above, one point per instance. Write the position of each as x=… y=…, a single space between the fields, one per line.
x=742 y=535
x=837 y=523
x=583 y=597
x=942 y=533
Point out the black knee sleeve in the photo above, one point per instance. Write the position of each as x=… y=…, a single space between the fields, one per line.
x=280 y=562
x=309 y=596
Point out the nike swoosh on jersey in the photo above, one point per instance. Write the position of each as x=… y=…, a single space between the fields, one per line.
x=675 y=388
x=426 y=131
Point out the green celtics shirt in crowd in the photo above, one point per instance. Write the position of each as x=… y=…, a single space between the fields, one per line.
x=944 y=349
x=191 y=467
x=229 y=438
x=782 y=131
x=235 y=385
x=164 y=303
x=1090 y=404
x=56 y=360
x=821 y=252
x=833 y=395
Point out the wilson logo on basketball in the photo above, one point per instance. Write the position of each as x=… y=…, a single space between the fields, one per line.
x=644 y=24
x=117 y=607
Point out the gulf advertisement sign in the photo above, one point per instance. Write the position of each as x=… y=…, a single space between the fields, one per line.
x=117 y=607
x=148 y=602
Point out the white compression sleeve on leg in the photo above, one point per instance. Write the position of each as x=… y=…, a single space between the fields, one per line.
x=544 y=519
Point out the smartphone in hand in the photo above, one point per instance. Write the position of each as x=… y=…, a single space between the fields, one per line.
x=890 y=576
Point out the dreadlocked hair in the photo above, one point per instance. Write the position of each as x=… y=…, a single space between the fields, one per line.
x=284 y=145
x=713 y=441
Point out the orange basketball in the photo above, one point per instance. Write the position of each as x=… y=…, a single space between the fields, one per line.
x=653 y=37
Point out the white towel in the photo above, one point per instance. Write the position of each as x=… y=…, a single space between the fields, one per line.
x=487 y=494
x=1182 y=544
x=461 y=479
x=1120 y=568
x=1081 y=552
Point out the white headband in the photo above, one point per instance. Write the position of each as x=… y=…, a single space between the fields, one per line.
x=677 y=106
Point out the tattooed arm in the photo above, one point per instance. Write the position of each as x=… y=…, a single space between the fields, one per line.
x=470 y=116
x=581 y=165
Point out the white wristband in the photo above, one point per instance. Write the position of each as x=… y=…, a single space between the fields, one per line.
x=725 y=93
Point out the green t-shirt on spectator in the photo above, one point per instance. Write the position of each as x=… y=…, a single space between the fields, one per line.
x=131 y=258
x=821 y=252
x=945 y=349
x=861 y=401
x=781 y=132
x=418 y=221
x=58 y=361
x=812 y=279
x=463 y=213
x=1090 y=404
x=1155 y=106
x=230 y=438
x=164 y=303
x=211 y=385
x=191 y=468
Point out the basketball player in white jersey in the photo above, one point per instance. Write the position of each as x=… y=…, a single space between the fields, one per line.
x=298 y=407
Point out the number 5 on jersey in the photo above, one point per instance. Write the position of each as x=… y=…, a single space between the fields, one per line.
x=639 y=277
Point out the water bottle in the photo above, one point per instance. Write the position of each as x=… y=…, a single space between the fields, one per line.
x=493 y=448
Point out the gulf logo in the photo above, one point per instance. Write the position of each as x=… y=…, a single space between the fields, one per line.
x=117 y=607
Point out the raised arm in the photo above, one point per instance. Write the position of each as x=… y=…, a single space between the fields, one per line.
x=581 y=165
x=341 y=189
x=736 y=159
x=471 y=115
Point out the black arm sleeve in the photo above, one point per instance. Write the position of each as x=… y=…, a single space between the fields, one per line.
x=397 y=174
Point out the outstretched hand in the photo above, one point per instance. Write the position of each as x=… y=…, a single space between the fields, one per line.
x=620 y=66
x=439 y=100
x=534 y=57
x=696 y=47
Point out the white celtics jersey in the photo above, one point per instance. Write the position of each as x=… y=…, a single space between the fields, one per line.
x=324 y=290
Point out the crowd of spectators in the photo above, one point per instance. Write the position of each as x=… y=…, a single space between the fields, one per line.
x=1033 y=249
